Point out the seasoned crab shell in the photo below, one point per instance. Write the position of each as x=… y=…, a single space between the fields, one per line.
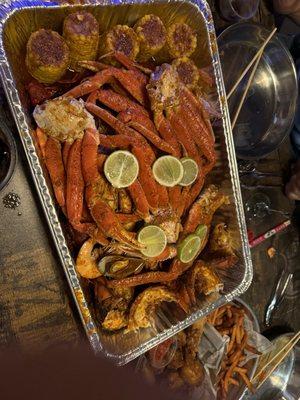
x=64 y=119
x=123 y=39
x=142 y=311
x=201 y=279
x=81 y=32
x=221 y=243
x=187 y=71
x=152 y=35
x=181 y=40
x=47 y=56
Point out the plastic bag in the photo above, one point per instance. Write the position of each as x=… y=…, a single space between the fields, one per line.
x=212 y=351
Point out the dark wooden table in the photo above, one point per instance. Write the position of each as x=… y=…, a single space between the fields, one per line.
x=36 y=307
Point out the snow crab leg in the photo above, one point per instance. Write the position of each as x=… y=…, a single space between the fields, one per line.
x=184 y=112
x=55 y=166
x=153 y=138
x=126 y=78
x=140 y=200
x=141 y=72
x=133 y=115
x=75 y=190
x=41 y=139
x=65 y=152
x=96 y=192
x=121 y=128
x=156 y=194
x=116 y=101
x=177 y=268
x=204 y=208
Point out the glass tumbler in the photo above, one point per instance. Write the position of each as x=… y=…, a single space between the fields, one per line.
x=238 y=10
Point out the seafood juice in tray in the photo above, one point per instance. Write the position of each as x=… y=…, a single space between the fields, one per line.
x=122 y=113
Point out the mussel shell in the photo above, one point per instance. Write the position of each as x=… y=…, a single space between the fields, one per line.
x=118 y=267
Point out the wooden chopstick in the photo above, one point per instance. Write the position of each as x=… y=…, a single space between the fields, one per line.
x=257 y=55
x=295 y=339
x=284 y=351
x=249 y=83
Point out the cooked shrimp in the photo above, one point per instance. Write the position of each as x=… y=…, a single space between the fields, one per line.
x=86 y=264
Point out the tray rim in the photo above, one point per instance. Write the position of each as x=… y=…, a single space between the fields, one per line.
x=7 y=9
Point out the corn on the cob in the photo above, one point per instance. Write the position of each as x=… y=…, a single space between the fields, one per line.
x=81 y=32
x=181 y=40
x=47 y=56
x=152 y=35
x=187 y=71
x=123 y=39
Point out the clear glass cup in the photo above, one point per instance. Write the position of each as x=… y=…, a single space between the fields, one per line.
x=238 y=10
x=258 y=206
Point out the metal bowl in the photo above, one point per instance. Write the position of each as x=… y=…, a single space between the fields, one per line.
x=268 y=112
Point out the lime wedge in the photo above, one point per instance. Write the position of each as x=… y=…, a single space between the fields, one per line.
x=188 y=248
x=190 y=171
x=201 y=231
x=154 y=239
x=121 y=168
x=168 y=171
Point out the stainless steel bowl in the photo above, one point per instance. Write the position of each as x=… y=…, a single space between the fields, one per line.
x=268 y=112
x=284 y=382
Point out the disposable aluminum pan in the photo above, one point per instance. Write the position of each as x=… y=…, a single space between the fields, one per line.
x=18 y=20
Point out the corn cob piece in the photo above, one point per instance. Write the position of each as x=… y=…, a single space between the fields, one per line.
x=81 y=32
x=187 y=71
x=152 y=35
x=181 y=40
x=123 y=39
x=47 y=56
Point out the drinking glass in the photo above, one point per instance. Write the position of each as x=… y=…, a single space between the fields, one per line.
x=238 y=10
x=259 y=206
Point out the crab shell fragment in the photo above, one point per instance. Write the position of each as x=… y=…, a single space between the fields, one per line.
x=64 y=119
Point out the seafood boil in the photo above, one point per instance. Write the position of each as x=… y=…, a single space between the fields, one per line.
x=128 y=145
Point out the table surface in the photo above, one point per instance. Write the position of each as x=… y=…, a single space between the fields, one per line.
x=36 y=306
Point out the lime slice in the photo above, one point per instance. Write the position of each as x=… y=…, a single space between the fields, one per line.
x=168 y=171
x=201 y=231
x=188 y=248
x=121 y=168
x=154 y=239
x=190 y=171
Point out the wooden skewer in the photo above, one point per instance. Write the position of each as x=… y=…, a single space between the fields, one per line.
x=277 y=363
x=249 y=83
x=291 y=342
x=257 y=55
x=282 y=353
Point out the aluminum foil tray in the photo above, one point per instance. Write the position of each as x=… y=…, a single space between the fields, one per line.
x=18 y=20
